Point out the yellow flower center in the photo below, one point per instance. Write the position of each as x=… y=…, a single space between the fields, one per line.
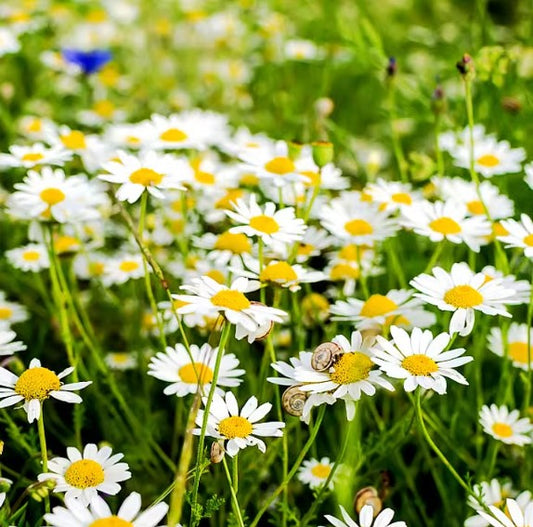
x=176 y=226
x=315 y=302
x=280 y=166
x=173 y=135
x=475 y=207
x=64 y=244
x=528 y=240
x=235 y=426
x=176 y=304
x=305 y=249
x=74 y=140
x=344 y=272
x=231 y=300
x=132 y=140
x=37 y=383
x=265 y=224
x=146 y=177
x=445 y=226
x=488 y=160
x=502 y=429
x=104 y=109
x=518 y=352
x=249 y=180
x=216 y=275
x=237 y=243
x=351 y=367
x=31 y=256
x=231 y=195
x=419 y=364
x=352 y=252
x=358 y=227
x=204 y=177
x=111 y=521
x=36 y=125
x=52 y=196
x=499 y=230
x=321 y=471
x=96 y=268
x=402 y=197
x=35 y=156
x=96 y=16
x=463 y=296
x=313 y=178
x=5 y=313
x=128 y=265
x=377 y=305
x=278 y=272
x=84 y=474
x=120 y=357
x=197 y=373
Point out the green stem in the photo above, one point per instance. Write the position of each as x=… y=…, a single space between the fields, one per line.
x=44 y=452
x=233 y=487
x=527 y=379
x=434 y=257
x=396 y=145
x=438 y=151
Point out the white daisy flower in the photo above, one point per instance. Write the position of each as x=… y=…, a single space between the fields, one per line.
x=315 y=241
x=420 y=359
x=267 y=223
x=392 y=195
x=120 y=269
x=102 y=111
x=314 y=472
x=76 y=514
x=34 y=386
x=361 y=223
x=396 y=307
x=90 y=265
x=491 y=493
x=462 y=191
x=8 y=42
x=148 y=171
x=505 y=426
x=522 y=288
x=34 y=155
x=517 y=340
x=211 y=297
x=226 y=248
x=7 y=346
x=81 y=475
x=491 y=157
x=450 y=140
x=238 y=428
x=127 y=135
x=175 y=366
x=32 y=257
x=366 y=518
x=464 y=292
x=33 y=127
x=514 y=515
x=299 y=49
x=446 y=220
x=121 y=360
x=520 y=234
x=528 y=169
x=10 y=312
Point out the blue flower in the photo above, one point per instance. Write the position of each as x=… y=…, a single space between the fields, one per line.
x=89 y=61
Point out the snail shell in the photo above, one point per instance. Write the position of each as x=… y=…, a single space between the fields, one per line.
x=368 y=496
x=325 y=356
x=293 y=400
x=217 y=452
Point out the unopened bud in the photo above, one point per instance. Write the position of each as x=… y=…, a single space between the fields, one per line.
x=324 y=107
x=465 y=66
x=5 y=484
x=511 y=105
x=322 y=152
x=294 y=148
x=437 y=100
x=217 y=452
x=392 y=67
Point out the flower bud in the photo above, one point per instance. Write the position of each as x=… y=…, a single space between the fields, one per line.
x=465 y=66
x=322 y=152
x=324 y=107
x=392 y=67
x=295 y=149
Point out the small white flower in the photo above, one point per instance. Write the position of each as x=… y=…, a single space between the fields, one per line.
x=366 y=518
x=10 y=312
x=516 y=515
x=505 y=426
x=517 y=340
x=520 y=234
x=7 y=346
x=314 y=472
x=32 y=257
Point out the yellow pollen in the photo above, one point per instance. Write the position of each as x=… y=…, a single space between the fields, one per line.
x=104 y=109
x=111 y=521
x=132 y=140
x=315 y=302
x=32 y=156
x=377 y=305
x=235 y=426
x=190 y=373
x=148 y=321
x=278 y=272
x=31 y=256
x=146 y=177
x=64 y=244
x=264 y=224
x=305 y=249
x=128 y=266
x=84 y=474
x=120 y=357
x=280 y=166
x=52 y=196
x=445 y=226
x=488 y=160
x=96 y=268
x=5 y=313
x=313 y=178
x=463 y=296
x=173 y=135
x=475 y=207
x=321 y=471
x=176 y=226
x=237 y=243
x=366 y=196
x=75 y=140
x=344 y=271
x=528 y=240
x=502 y=429
x=351 y=367
x=402 y=197
x=204 y=177
x=358 y=227
x=232 y=195
x=216 y=275
x=518 y=352
x=37 y=383
x=36 y=125
x=249 y=180
x=231 y=300
x=352 y=252
x=419 y=364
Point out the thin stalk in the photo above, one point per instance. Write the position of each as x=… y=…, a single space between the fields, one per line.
x=527 y=380
x=396 y=145
x=233 y=487
x=435 y=256
x=44 y=452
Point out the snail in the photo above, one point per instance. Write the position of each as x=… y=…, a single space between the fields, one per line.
x=293 y=400
x=325 y=356
x=217 y=452
x=368 y=496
